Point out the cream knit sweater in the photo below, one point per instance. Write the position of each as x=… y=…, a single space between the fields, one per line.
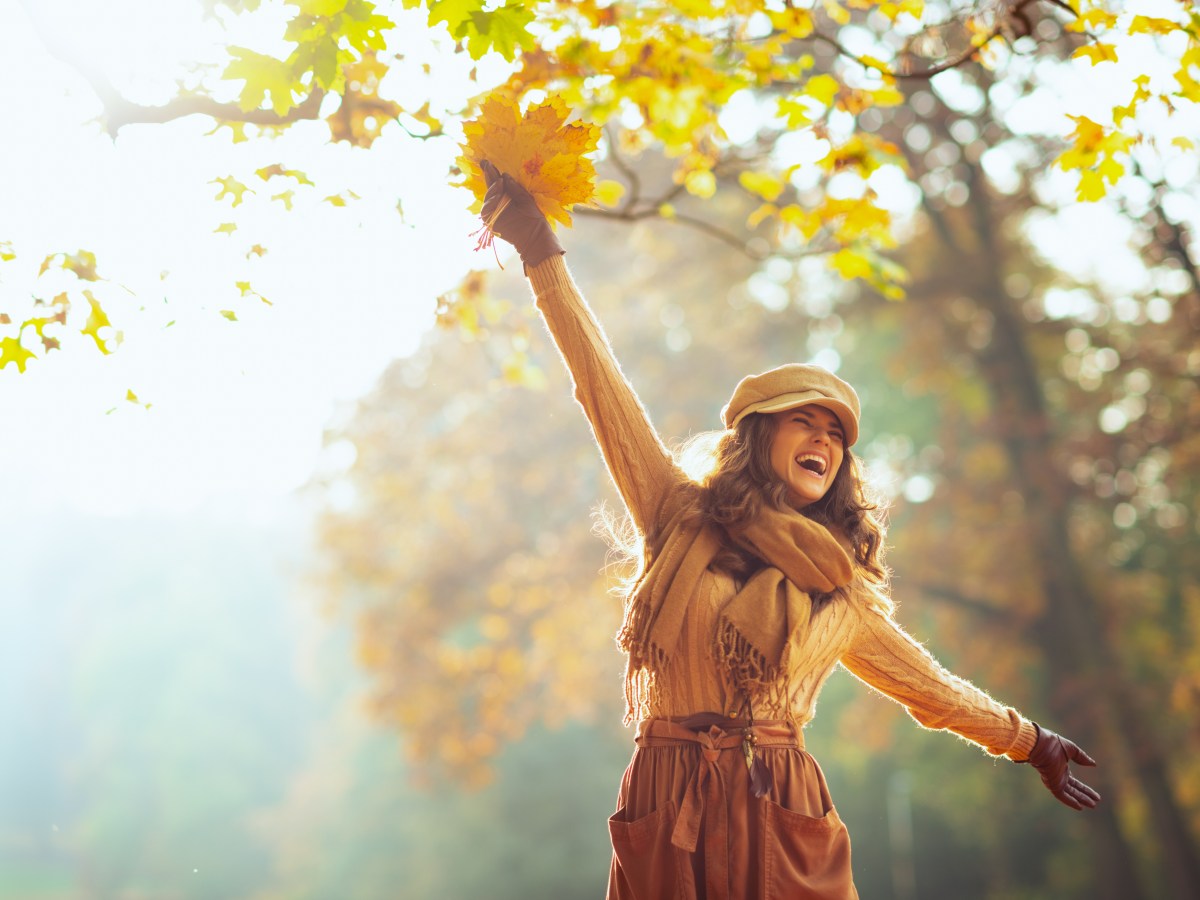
x=860 y=633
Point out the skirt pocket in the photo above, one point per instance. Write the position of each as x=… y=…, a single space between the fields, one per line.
x=805 y=857
x=646 y=865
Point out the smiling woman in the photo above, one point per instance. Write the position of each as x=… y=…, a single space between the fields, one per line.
x=755 y=582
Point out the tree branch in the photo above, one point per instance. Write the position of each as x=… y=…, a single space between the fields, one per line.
x=953 y=597
x=1017 y=13
x=119 y=112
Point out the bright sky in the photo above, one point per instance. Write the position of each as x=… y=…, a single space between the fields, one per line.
x=238 y=408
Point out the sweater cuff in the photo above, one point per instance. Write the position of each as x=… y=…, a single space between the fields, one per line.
x=1027 y=736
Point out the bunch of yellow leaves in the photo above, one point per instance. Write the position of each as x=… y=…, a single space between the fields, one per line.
x=538 y=150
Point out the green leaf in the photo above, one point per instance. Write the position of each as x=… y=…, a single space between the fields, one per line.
x=263 y=75
x=502 y=30
x=325 y=63
x=453 y=12
x=363 y=28
x=320 y=7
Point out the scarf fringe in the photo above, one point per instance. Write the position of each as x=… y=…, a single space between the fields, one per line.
x=645 y=689
x=749 y=671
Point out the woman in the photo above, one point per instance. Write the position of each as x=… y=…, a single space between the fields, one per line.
x=755 y=583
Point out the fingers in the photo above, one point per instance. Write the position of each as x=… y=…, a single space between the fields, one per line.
x=490 y=172
x=1087 y=795
x=1076 y=754
x=1077 y=795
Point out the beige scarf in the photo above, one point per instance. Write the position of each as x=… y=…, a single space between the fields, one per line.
x=803 y=557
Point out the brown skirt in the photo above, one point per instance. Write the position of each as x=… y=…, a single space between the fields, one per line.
x=687 y=825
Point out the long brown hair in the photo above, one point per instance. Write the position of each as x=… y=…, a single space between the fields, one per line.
x=740 y=481
x=732 y=479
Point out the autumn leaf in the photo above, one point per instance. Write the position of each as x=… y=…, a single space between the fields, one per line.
x=539 y=149
x=262 y=75
x=225 y=228
x=82 y=263
x=230 y=186
x=1097 y=53
x=97 y=319
x=11 y=351
x=278 y=169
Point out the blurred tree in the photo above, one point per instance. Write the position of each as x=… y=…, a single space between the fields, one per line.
x=696 y=78
x=992 y=484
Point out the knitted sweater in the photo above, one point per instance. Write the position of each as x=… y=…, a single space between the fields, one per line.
x=858 y=632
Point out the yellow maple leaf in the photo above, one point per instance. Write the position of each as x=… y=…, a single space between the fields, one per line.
x=539 y=150
x=1097 y=53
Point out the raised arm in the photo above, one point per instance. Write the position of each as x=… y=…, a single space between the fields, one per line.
x=888 y=659
x=638 y=462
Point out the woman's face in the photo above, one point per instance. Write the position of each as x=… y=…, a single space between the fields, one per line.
x=807 y=451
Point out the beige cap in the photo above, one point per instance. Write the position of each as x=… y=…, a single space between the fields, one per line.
x=790 y=386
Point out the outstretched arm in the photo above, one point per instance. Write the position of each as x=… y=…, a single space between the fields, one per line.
x=888 y=659
x=640 y=465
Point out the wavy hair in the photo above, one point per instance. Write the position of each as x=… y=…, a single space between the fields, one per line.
x=734 y=479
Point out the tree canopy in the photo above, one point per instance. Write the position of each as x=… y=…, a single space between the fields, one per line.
x=778 y=100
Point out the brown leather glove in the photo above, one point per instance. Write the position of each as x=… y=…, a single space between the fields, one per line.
x=512 y=214
x=1050 y=757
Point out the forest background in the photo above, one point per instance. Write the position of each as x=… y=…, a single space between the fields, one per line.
x=301 y=596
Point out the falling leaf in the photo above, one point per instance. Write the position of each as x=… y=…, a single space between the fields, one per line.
x=97 y=319
x=539 y=150
x=232 y=187
x=257 y=250
x=131 y=397
x=11 y=351
x=82 y=263
x=267 y=172
x=285 y=197
x=225 y=228
x=229 y=314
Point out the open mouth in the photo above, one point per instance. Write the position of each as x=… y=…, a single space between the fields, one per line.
x=812 y=463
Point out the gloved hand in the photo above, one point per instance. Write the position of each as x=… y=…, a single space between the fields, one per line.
x=512 y=214
x=1050 y=757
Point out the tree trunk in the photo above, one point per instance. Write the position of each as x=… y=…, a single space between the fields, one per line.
x=1082 y=660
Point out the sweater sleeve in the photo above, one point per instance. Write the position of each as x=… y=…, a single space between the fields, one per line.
x=887 y=658
x=639 y=464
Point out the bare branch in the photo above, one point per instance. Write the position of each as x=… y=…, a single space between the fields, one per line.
x=119 y=112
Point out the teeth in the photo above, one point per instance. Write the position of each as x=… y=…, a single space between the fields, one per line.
x=812 y=457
